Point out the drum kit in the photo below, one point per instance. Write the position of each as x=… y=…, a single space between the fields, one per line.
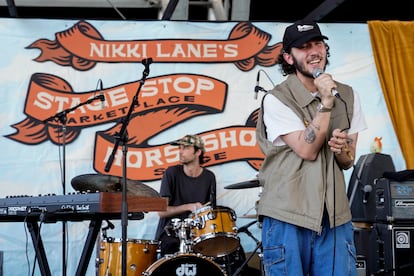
x=209 y=242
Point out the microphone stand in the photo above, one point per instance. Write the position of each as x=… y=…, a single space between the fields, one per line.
x=62 y=118
x=122 y=138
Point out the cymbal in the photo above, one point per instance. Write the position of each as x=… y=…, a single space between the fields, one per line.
x=244 y=185
x=111 y=183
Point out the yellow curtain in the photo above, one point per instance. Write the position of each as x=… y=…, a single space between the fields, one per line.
x=393 y=47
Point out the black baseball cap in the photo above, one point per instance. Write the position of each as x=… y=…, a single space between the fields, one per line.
x=299 y=33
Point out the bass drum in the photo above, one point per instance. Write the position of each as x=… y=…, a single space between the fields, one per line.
x=184 y=264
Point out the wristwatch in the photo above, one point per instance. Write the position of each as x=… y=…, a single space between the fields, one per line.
x=322 y=108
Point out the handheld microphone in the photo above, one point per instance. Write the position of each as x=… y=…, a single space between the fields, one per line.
x=367 y=190
x=316 y=73
x=257 y=88
x=101 y=95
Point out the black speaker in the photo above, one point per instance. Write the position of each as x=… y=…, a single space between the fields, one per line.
x=365 y=244
x=395 y=250
x=360 y=191
x=361 y=266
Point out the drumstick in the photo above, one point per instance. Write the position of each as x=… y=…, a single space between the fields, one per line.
x=209 y=202
x=219 y=196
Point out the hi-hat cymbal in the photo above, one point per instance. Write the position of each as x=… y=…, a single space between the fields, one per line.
x=110 y=183
x=244 y=185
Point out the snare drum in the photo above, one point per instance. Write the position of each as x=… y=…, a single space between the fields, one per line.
x=140 y=254
x=184 y=264
x=214 y=231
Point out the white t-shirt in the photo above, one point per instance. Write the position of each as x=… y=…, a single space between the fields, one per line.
x=280 y=119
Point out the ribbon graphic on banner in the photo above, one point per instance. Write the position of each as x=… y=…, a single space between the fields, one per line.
x=185 y=96
x=82 y=46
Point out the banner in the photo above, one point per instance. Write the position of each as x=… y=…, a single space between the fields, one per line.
x=169 y=79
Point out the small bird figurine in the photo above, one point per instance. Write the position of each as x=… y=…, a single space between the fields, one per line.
x=376 y=145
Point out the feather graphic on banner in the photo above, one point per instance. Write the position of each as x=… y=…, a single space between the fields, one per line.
x=143 y=127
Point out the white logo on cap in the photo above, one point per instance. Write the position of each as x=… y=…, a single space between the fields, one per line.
x=304 y=28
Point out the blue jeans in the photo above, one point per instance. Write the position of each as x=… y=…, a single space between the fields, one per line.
x=296 y=251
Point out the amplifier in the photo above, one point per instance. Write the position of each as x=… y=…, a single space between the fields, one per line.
x=395 y=249
x=360 y=187
x=394 y=201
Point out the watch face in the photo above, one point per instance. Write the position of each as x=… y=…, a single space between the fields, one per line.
x=319 y=107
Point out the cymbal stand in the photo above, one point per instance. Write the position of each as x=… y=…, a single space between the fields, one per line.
x=258 y=246
x=62 y=118
x=122 y=138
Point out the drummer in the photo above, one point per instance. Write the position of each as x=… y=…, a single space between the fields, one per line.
x=188 y=187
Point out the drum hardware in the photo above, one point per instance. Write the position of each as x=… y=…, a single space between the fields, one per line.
x=109 y=225
x=182 y=230
x=245 y=229
x=98 y=246
x=98 y=260
x=231 y=262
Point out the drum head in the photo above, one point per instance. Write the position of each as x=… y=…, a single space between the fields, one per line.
x=185 y=264
x=217 y=245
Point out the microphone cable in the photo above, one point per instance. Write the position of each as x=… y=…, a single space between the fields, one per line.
x=349 y=154
x=268 y=77
x=346 y=113
x=334 y=214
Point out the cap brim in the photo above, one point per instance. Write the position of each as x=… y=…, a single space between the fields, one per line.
x=177 y=143
x=298 y=43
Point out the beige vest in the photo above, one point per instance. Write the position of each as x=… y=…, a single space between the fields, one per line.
x=295 y=190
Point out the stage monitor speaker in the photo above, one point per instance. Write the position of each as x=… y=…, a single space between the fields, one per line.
x=360 y=191
x=395 y=250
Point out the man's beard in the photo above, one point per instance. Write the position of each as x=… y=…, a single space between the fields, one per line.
x=301 y=68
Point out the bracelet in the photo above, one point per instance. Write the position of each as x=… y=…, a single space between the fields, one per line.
x=322 y=108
